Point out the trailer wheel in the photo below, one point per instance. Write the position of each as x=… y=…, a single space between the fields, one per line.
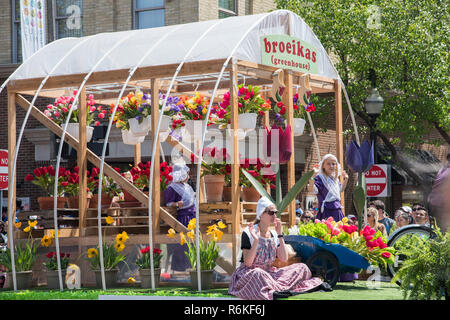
x=324 y=265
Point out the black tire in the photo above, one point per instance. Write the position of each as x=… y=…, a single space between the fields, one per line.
x=324 y=265
x=409 y=230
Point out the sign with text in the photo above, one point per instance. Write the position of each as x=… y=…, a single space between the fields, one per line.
x=3 y=169
x=286 y=52
x=378 y=181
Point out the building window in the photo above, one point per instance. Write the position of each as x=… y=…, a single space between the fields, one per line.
x=68 y=21
x=148 y=14
x=227 y=8
x=16 y=34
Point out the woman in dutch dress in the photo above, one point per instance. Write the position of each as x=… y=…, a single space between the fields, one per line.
x=256 y=278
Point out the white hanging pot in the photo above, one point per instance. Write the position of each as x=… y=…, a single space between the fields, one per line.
x=166 y=121
x=140 y=129
x=299 y=126
x=246 y=121
x=129 y=138
x=73 y=130
x=192 y=130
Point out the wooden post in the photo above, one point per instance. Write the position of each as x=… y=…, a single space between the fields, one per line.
x=288 y=102
x=12 y=139
x=154 y=85
x=235 y=189
x=339 y=131
x=266 y=122
x=137 y=152
x=82 y=163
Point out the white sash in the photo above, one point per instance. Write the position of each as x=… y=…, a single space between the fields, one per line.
x=334 y=192
x=186 y=193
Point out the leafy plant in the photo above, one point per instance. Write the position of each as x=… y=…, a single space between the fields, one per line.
x=44 y=177
x=143 y=262
x=52 y=263
x=424 y=273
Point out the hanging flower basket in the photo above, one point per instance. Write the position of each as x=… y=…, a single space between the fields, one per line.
x=299 y=126
x=129 y=138
x=140 y=129
x=74 y=131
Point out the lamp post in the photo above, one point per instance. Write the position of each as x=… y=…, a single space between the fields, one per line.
x=373 y=105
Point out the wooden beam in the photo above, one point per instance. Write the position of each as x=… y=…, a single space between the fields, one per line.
x=235 y=187
x=288 y=102
x=154 y=85
x=101 y=77
x=11 y=150
x=82 y=162
x=137 y=154
x=339 y=131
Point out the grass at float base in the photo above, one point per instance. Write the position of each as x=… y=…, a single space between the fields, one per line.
x=358 y=290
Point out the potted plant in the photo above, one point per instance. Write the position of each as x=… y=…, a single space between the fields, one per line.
x=214 y=172
x=25 y=255
x=258 y=170
x=59 y=111
x=44 y=177
x=299 y=111
x=250 y=104
x=52 y=268
x=111 y=258
x=110 y=188
x=143 y=263
x=207 y=249
x=72 y=189
x=141 y=176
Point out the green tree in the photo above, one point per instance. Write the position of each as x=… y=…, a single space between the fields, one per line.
x=406 y=43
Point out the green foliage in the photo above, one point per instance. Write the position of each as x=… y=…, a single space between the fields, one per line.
x=208 y=254
x=405 y=42
x=24 y=256
x=111 y=257
x=424 y=273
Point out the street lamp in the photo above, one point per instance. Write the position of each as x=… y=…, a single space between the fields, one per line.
x=373 y=106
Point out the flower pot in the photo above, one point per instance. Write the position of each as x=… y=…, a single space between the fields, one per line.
x=127 y=197
x=166 y=121
x=140 y=129
x=129 y=138
x=73 y=202
x=106 y=201
x=46 y=203
x=250 y=194
x=214 y=187
x=192 y=130
x=226 y=194
x=247 y=120
x=206 y=279
x=73 y=130
x=298 y=126
x=146 y=277
x=110 y=278
x=53 y=279
x=23 y=280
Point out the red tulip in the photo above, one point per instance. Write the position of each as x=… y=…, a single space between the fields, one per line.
x=29 y=177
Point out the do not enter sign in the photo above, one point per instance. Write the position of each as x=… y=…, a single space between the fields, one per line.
x=378 y=181
x=3 y=169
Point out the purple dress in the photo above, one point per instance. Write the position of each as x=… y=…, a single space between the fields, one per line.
x=331 y=209
x=180 y=261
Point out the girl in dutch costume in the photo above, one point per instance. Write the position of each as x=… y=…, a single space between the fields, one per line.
x=179 y=194
x=256 y=278
x=328 y=188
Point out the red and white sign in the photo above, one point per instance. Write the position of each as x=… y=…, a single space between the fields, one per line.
x=3 y=169
x=377 y=181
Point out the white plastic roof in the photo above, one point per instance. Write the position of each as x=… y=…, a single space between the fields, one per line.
x=219 y=42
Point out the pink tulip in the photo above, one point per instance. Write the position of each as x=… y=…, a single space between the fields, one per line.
x=57 y=114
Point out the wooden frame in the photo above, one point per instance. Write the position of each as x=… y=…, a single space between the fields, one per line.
x=262 y=75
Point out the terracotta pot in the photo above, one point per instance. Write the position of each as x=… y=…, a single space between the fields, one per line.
x=46 y=203
x=226 y=194
x=250 y=194
x=206 y=279
x=73 y=202
x=214 y=187
x=53 y=279
x=106 y=201
x=127 y=197
x=110 y=278
x=146 y=279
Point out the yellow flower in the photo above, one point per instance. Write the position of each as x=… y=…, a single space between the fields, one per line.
x=344 y=220
x=182 y=238
x=204 y=110
x=211 y=229
x=131 y=280
x=27 y=229
x=46 y=241
x=109 y=220
x=192 y=223
x=171 y=233
x=217 y=235
x=18 y=224
x=221 y=225
x=191 y=234
x=92 y=252
x=119 y=246
x=52 y=233
x=32 y=224
x=122 y=237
